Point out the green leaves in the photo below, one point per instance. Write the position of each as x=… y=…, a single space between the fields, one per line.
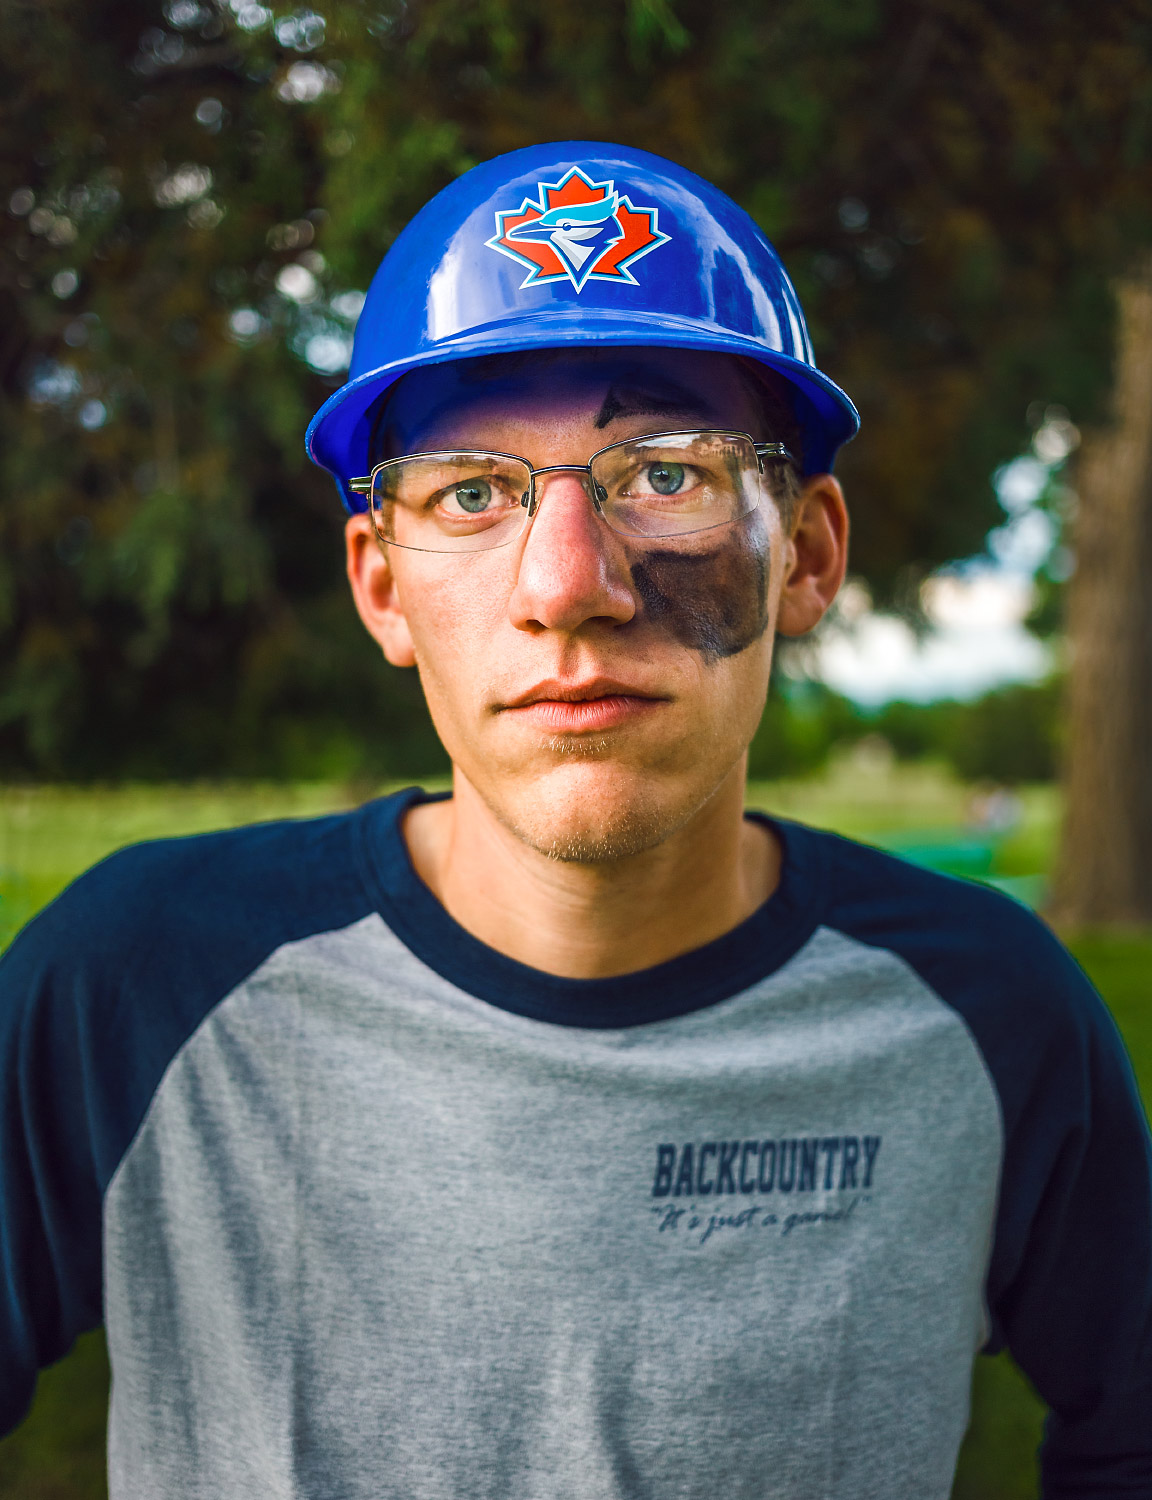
x=654 y=29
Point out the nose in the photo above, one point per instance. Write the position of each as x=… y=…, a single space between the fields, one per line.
x=572 y=568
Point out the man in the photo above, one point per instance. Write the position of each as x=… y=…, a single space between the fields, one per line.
x=573 y=1135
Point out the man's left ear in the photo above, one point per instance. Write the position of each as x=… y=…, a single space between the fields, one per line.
x=816 y=555
x=374 y=591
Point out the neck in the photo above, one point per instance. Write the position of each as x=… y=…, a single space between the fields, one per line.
x=588 y=921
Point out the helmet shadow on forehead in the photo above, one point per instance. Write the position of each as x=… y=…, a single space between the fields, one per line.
x=679 y=384
x=697 y=387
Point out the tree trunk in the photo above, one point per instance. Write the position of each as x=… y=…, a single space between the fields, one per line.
x=1104 y=871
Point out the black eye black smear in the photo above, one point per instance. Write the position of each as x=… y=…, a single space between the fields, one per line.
x=611 y=409
x=714 y=602
x=623 y=402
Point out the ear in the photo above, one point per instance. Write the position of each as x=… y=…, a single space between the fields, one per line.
x=374 y=591
x=817 y=555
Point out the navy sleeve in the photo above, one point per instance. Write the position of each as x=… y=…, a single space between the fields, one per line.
x=1069 y=1284
x=96 y=997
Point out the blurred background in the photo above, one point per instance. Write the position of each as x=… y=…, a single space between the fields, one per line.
x=193 y=198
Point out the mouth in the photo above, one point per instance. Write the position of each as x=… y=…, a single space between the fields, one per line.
x=592 y=706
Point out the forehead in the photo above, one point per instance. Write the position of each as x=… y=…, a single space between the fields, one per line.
x=601 y=389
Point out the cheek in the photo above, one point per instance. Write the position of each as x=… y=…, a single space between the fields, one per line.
x=452 y=618
x=714 y=601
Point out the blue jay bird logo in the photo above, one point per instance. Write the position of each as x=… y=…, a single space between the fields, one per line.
x=577 y=230
x=580 y=232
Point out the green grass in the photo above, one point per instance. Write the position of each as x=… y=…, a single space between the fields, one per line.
x=49 y=835
x=58 y=1451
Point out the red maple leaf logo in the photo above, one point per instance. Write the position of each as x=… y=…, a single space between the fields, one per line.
x=600 y=240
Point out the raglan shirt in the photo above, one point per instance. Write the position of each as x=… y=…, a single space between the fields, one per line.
x=370 y=1210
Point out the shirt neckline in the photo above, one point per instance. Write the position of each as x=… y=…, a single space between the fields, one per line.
x=733 y=962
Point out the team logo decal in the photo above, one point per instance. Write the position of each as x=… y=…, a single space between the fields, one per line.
x=577 y=230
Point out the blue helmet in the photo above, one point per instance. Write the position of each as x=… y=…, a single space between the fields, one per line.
x=575 y=242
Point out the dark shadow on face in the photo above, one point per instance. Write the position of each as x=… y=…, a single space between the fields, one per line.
x=714 y=601
x=684 y=387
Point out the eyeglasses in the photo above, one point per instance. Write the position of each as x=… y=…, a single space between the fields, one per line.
x=667 y=484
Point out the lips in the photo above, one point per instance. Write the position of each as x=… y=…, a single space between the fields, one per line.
x=573 y=707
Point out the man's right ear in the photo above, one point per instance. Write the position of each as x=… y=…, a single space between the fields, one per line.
x=374 y=591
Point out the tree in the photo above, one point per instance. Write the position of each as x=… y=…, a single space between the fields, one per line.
x=1105 y=870
x=170 y=578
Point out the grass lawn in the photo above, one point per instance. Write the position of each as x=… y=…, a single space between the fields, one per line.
x=48 y=835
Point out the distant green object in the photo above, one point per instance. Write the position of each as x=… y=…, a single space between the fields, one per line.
x=954 y=856
x=971 y=858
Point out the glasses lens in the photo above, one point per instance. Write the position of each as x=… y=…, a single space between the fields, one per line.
x=677 y=482
x=450 y=502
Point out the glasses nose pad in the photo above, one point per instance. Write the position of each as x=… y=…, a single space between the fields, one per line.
x=532 y=497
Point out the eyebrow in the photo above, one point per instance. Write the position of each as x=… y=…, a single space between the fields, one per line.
x=637 y=401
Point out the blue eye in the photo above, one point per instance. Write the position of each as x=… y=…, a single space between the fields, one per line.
x=666 y=479
x=475 y=495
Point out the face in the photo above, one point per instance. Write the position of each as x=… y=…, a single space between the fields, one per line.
x=594 y=688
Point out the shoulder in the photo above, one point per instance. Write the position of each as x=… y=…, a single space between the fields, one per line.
x=885 y=900
x=100 y=992
x=133 y=955
x=227 y=897
x=997 y=964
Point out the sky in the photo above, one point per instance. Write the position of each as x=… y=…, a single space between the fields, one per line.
x=976 y=609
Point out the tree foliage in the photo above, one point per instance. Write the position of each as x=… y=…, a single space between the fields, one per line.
x=194 y=195
x=1009 y=735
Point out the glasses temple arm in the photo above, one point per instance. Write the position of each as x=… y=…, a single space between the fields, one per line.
x=773 y=450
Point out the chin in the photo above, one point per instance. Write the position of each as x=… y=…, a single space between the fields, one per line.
x=587 y=809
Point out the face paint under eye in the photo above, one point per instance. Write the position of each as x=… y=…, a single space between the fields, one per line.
x=714 y=602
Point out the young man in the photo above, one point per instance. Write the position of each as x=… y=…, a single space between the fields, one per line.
x=574 y=1135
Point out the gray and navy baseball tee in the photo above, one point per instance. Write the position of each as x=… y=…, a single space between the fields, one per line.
x=370 y=1210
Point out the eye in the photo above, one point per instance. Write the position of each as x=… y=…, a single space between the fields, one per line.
x=473 y=495
x=483 y=498
x=665 y=478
